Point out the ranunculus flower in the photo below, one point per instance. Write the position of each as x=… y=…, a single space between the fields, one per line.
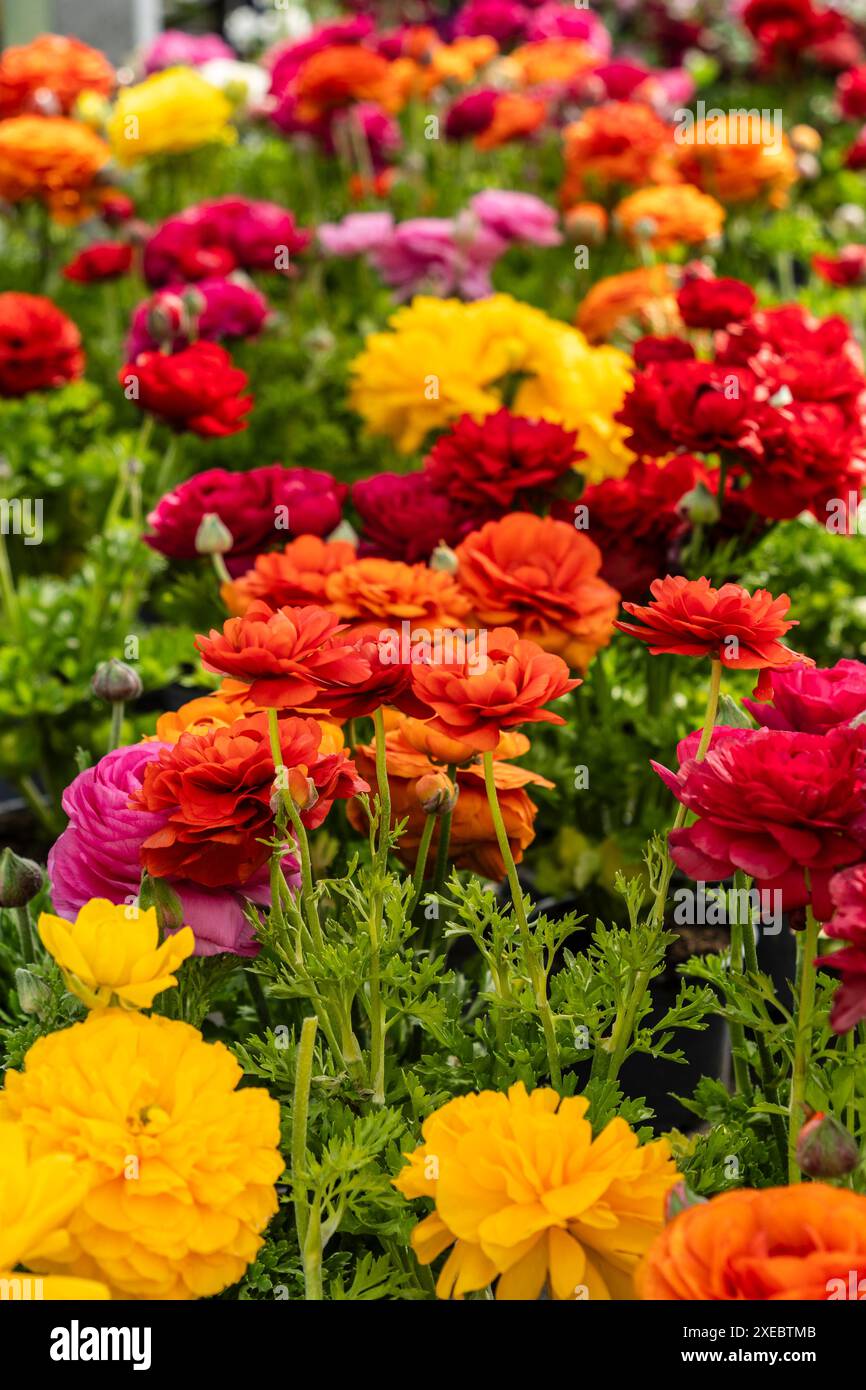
x=213 y=793
x=40 y=348
x=231 y=308
x=710 y=303
x=699 y=407
x=216 y=237
x=168 y=113
x=786 y=808
x=451 y=255
x=103 y=260
x=175 y=47
x=471 y=114
x=688 y=617
x=357 y=233
x=813 y=699
x=848 y=924
x=98 y=856
x=846 y=268
x=197 y=389
x=405 y=516
x=517 y=681
x=517 y=216
x=539 y=576
x=111 y=956
x=373 y=593
x=779 y=1243
x=294 y=576
x=503 y=20
x=53 y=160
x=258 y=507
x=495 y=463
x=52 y=66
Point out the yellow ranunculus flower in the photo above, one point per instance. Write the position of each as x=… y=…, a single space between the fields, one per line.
x=442 y=359
x=179 y=1162
x=36 y=1197
x=526 y=1196
x=111 y=955
x=168 y=113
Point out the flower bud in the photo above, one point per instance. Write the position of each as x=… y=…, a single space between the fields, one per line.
x=805 y=138
x=699 y=505
x=116 y=682
x=168 y=318
x=436 y=793
x=157 y=893
x=825 y=1149
x=587 y=223
x=680 y=1198
x=33 y=993
x=302 y=790
x=20 y=879
x=213 y=537
x=444 y=559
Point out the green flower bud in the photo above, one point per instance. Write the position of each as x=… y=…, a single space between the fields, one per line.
x=825 y=1149
x=155 y=892
x=213 y=537
x=20 y=879
x=116 y=682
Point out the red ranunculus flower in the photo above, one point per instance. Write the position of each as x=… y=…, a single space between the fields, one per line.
x=848 y=895
x=813 y=699
x=846 y=268
x=699 y=407
x=214 y=238
x=287 y=657
x=471 y=114
x=653 y=348
x=197 y=389
x=405 y=517
x=851 y=93
x=216 y=790
x=501 y=460
x=814 y=455
x=104 y=260
x=855 y=155
x=777 y=805
x=688 y=617
x=714 y=303
x=477 y=699
x=258 y=507
x=40 y=347
x=817 y=359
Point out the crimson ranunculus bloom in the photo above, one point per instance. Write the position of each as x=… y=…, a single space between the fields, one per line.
x=405 y=517
x=851 y=93
x=216 y=791
x=494 y=462
x=813 y=699
x=688 y=617
x=286 y=657
x=477 y=699
x=197 y=389
x=785 y=808
x=104 y=260
x=40 y=347
x=714 y=303
x=217 y=237
x=848 y=894
x=259 y=507
x=846 y=268
x=699 y=407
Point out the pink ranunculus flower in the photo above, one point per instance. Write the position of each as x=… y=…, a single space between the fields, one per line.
x=813 y=699
x=97 y=856
x=777 y=805
x=356 y=234
x=176 y=48
x=504 y=20
x=553 y=20
x=261 y=508
x=380 y=130
x=439 y=254
x=517 y=216
x=848 y=892
x=216 y=237
x=233 y=308
x=405 y=518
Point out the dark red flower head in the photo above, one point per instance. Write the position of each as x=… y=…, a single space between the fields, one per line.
x=40 y=348
x=848 y=895
x=104 y=260
x=699 y=407
x=714 y=303
x=406 y=517
x=197 y=389
x=499 y=461
x=813 y=699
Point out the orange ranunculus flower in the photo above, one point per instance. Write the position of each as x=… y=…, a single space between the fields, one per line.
x=341 y=74
x=375 y=593
x=474 y=701
x=456 y=62
x=296 y=575
x=738 y=160
x=620 y=142
x=539 y=576
x=439 y=748
x=473 y=837
x=664 y=217
x=515 y=115
x=51 y=159
x=61 y=68
x=199 y=716
x=215 y=790
x=781 y=1243
x=549 y=60
x=644 y=297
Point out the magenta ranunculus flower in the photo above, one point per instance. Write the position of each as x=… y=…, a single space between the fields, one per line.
x=848 y=892
x=439 y=254
x=260 y=508
x=405 y=518
x=213 y=238
x=284 y=60
x=97 y=856
x=356 y=234
x=553 y=20
x=813 y=699
x=469 y=115
x=504 y=20
x=174 y=47
x=777 y=805
x=517 y=216
x=232 y=308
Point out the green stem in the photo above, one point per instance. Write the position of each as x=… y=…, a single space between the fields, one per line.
x=307 y=892
x=221 y=569
x=312 y=1254
x=257 y=994
x=7 y=587
x=742 y=1078
x=444 y=840
x=765 y=1061
x=300 y=1115
x=421 y=863
x=383 y=787
x=808 y=949
x=536 y=972
x=115 y=738
x=25 y=934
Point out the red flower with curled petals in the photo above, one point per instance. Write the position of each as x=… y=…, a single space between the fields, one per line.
x=197 y=389
x=848 y=894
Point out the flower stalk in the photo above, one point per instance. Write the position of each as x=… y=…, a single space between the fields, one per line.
x=807 y=943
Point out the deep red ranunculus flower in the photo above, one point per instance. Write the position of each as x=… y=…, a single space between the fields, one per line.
x=197 y=389
x=104 y=260
x=500 y=461
x=855 y=155
x=851 y=93
x=471 y=114
x=848 y=267
x=787 y=30
x=653 y=348
x=259 y=507
x=817 y=359
x=814 y=455
x=699 y=407
x=714 y=303
x=688 y=617
x=785 y=808
x=405 y=517
x=216 y=790
x=216 y=237
x=848 y=894
x=40 y=347
x=813 y=699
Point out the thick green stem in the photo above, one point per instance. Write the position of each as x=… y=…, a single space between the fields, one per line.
x=7 y=587
x=444 y=845
x=307 y=891
x=383 y=787
x=300 y=1115
x=25 y=934
x=537 y=975
x=742 y=1078
x=377 y=1012
x=765 y=1061
x=115 y=738
x=808 y=949
x=421 y=862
